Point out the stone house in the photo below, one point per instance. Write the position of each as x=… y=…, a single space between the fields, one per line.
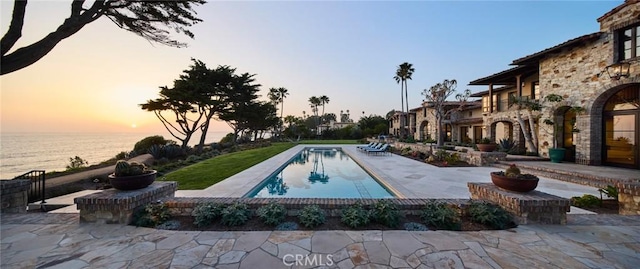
x=460 y=126
x=599 y=72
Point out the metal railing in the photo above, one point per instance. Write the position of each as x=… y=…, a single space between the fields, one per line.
x=36 y=192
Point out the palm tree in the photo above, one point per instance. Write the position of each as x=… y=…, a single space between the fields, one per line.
x=277 y=96
x=315 y=102
x=325 y=100
x=403 y=73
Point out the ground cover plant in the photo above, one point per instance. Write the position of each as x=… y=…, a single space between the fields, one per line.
x=383 y=215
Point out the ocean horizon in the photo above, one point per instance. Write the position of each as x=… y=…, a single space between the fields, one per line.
x=21 y=152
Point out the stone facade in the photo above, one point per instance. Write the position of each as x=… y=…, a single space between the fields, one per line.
x=533 y=206
x=14 y=195
x=575 y=70
x=423 y=122
x=116 y=207
x=629 y=198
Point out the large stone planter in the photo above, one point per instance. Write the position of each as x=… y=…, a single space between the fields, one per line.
x=556 y=154
x=487 y=147
x=132 y=182
x=514 y=184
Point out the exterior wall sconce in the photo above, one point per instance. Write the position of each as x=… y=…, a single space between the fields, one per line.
x=618 y=70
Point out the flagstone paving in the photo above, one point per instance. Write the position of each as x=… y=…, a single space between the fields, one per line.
x=38 y=240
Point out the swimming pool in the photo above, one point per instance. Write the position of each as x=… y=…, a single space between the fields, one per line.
x=321 y=173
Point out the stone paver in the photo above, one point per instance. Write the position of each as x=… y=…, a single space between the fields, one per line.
x=30 y=242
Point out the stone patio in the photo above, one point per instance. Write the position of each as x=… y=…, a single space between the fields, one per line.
x=38 y=240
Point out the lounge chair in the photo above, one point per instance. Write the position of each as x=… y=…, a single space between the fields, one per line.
x=375 y=145
x=382 y=150
x=366 y=146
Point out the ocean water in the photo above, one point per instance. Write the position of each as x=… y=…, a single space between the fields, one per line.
x=23 y=152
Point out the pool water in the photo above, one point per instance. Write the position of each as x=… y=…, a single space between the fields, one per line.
x=321 y=173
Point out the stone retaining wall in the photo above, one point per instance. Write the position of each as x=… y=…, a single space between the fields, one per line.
x=471 y=156
x=115 y=206
x=534 y=206
x=183 y=206
x=629 y=198
x=14 y=195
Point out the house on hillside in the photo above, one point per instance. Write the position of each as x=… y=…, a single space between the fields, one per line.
x=599 y=72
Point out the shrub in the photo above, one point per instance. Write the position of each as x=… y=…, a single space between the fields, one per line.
x=206 y=213
x=441 y=155
x=506 y=144
x=586 y=200
x=355 y=216
x=610 y=191
x=193 y=159
x=151 y=215
x=311 y=216
x=452 y=158
x=287 y=226
x=272 y=213
x=441 y=216
x=491 y=215
x=76 y=163
x=235 y=214
x=386 y=212
x=145 y=144
x=414 y=226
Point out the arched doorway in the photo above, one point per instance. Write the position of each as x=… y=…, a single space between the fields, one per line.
x=424 y=131
x=565 y=116
x=621 y=128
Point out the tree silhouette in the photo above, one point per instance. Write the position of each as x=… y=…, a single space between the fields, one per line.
x=148 y=19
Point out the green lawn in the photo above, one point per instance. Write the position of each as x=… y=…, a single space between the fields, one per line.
x=209 y=172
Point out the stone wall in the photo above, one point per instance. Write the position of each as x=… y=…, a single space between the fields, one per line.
x=533 y=206
x=629 y=198
x=477 y=158
x=116 y=206
x=14 y=195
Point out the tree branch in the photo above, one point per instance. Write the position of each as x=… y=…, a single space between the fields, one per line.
x=15 y=29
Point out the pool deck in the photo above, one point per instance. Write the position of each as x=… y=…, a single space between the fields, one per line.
x=407 y=178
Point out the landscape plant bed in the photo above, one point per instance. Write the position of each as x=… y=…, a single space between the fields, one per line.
x=332 y=223
x=438 y=163
x=608 y=206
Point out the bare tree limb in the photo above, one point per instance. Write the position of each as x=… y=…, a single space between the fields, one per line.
x=15 y=29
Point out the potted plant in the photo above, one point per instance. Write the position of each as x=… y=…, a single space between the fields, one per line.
x=511 y=179
x=486 y=145
x=131 y=176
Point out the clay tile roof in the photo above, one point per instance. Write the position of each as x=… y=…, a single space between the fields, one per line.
x=535 y=58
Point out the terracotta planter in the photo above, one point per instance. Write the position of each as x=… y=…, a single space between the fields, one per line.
x=513 y=184
x=487 y=147
x=132 y=182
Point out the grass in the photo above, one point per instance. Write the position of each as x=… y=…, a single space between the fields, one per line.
x=209 y=172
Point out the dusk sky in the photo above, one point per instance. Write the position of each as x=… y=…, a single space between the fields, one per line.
x=348 y=51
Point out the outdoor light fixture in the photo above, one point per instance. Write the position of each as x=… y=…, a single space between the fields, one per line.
x=618 y=70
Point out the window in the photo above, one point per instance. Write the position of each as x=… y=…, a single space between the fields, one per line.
x=512 y=97
x=535 y=90
x=495 y=102
x=628 y=43
x=424 y=112
x=485 y=103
